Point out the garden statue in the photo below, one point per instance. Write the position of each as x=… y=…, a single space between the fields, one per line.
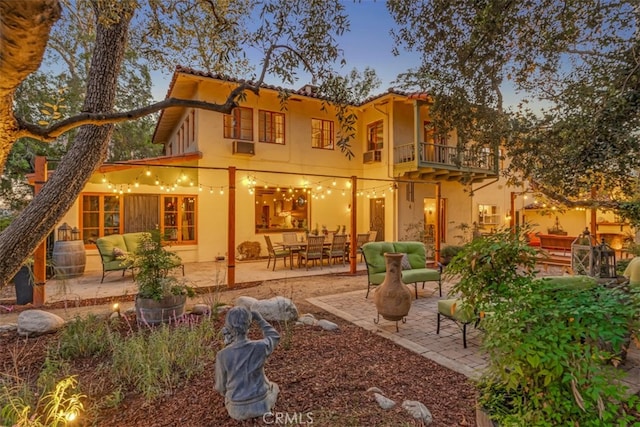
x=239 y=368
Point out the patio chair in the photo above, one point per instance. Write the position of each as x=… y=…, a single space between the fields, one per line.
x=276 y=252
x=338 y=248
x=451 y=309
x=291 y=237
x=361 y=239
x=314 y=251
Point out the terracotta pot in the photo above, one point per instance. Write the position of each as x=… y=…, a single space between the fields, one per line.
x=152 y=312
x=393 y=298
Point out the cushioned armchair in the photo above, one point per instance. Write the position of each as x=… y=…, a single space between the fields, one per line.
x=452 y=309
x=413 y=272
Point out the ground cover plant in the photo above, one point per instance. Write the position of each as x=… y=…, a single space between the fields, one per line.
x=125 y=374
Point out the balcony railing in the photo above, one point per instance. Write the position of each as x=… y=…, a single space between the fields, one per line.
x=437 y=155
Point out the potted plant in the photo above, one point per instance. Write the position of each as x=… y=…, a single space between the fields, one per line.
x=161 y=296
x=543 y=337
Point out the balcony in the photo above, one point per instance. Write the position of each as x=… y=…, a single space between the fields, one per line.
x=435 y=162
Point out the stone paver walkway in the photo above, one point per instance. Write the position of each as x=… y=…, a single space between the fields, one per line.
x=419 y=334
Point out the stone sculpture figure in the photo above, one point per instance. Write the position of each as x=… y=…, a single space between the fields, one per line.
x=239 y=371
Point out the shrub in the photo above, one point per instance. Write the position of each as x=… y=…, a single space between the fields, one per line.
x=84 y=337
x=155 y=361
x=544 y=337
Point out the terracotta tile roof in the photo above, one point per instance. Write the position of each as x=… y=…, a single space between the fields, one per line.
x=304 y=91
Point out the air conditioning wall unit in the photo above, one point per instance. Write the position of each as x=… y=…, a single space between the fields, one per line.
x=373 y=156
x=244 y=148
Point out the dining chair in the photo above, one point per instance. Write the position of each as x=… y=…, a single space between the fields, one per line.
x=338 y=248
x=291 y=237
x=312 y=252
x=372 y=235
x=276 y=252
x=361 y=239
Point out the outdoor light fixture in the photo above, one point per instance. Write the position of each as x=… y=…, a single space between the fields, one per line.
x=75 y=233
x=64 y=232
x=605 y=261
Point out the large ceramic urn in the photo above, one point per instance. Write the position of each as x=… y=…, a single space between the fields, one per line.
x=393 y=298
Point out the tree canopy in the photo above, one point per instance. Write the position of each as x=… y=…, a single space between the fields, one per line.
x=294 y=37
x=576 y=65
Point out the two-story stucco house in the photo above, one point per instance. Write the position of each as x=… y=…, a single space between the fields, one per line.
x=265 y=169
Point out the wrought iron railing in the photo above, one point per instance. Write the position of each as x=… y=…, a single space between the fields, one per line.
x=445 y=155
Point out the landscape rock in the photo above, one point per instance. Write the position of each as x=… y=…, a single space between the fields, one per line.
x=245 y=301
x=384 y=402
x=374 y=390
x=9 y=327
x=418 y=411
x=308 y=319
x=327 y=325
x=201 y=309
x=276 y=308
x=38 y=322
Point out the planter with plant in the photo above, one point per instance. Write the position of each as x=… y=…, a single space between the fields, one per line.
x=24 y=282
x=547 y=364
x=161 y=296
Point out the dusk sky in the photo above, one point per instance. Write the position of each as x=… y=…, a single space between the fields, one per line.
x=367 y=44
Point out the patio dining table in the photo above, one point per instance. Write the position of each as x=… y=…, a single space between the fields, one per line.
x=302 y=245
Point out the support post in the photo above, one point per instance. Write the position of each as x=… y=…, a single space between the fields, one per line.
x=354 y=226
x=40 y=254
x=436 y=235
x=231 y=232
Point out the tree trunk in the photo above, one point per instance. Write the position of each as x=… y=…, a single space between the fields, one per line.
x=88 y=151
x=24 y=32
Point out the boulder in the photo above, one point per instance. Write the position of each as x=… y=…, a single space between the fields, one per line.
x=38 y=322
x=246 y=301
x=307 y=319
x=384 y=402
x=201 y=309
x=418 y=411
x=327 y=325
x=276 y=308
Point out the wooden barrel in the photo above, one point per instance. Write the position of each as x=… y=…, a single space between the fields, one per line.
x=152 y=312
x=69 y=258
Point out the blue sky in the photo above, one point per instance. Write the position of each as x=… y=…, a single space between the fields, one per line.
x=368 y=44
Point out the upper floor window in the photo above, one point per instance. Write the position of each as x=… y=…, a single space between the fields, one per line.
x=270 y=127
x=239 y=124
x=322 y=134
x=375 y=138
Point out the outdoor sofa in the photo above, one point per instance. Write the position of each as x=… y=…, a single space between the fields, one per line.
x=373 y=253
x=114 y=249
